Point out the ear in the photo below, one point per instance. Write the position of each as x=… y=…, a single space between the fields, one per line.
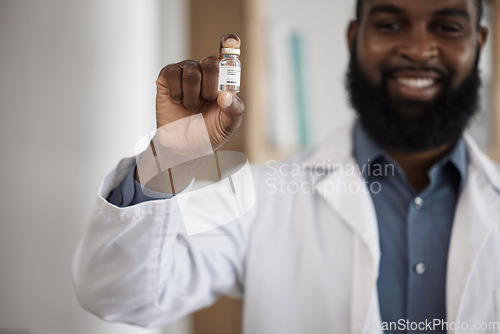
x=482 y=36
x=351 y=34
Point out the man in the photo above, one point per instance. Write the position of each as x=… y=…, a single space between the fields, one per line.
x=397 y=232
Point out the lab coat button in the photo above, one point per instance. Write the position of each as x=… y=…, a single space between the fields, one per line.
x=419 y=202
x=420 y=268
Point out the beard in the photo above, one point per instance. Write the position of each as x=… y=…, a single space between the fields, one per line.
x=412 y=126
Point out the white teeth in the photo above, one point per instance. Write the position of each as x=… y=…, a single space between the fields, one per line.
x=416 y=83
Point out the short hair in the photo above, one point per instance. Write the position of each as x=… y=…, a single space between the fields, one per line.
x=479 y=4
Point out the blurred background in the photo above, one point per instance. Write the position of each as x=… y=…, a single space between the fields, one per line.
x=77 y=91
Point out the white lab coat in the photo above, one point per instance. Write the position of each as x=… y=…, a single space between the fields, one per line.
x=304 y=261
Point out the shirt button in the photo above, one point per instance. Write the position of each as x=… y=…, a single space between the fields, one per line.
x=420 y=268
x=419 y=202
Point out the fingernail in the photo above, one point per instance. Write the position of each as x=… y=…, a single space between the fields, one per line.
x=230 y=43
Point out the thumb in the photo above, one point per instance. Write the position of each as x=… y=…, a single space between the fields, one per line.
x=232 y=110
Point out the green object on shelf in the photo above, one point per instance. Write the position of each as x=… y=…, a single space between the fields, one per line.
x=297 y=47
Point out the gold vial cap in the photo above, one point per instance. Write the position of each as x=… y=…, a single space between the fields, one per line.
x=230 y=51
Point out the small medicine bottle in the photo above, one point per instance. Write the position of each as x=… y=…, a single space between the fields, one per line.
x=230 y=70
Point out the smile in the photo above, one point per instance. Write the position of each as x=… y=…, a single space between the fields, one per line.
x=416 y=83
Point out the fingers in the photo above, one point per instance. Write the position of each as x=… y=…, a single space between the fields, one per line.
x=172 y=75
x=229 y=41
x=210 y=77
x=189 y=83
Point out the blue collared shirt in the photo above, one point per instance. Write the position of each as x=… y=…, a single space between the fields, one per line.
x=129 y=192
x=414 y=231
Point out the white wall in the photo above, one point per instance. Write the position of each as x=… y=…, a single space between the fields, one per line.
x=77 y=85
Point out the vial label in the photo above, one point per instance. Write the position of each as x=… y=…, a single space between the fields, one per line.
x=229 y=75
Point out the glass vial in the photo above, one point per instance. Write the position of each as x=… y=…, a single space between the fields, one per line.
x=230 y=70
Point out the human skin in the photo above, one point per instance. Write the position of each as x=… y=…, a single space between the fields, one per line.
x=189 y=87
x=418 y=42
x=185 y=89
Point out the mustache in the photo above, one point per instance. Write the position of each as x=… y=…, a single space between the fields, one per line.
x=388 y=72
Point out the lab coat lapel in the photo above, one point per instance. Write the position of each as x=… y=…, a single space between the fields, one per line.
x=345 y=191
x=476 y=215
x=355 y=208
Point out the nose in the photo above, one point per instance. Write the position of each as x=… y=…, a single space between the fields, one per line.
x=419 y=46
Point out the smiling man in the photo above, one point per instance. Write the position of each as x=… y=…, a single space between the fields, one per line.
x=414 y=81
x=336 y=247
x=413 y=74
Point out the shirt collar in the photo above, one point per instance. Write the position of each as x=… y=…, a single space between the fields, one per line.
x=367 y=151
x=458 y=158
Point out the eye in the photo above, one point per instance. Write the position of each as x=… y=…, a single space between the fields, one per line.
x=390 y=26
x=445 y=28
x=449 y=29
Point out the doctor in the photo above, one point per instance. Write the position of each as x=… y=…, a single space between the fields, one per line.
x=392 y=225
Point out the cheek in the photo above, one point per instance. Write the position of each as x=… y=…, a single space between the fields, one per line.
x=460 y=60
x=371 y=56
